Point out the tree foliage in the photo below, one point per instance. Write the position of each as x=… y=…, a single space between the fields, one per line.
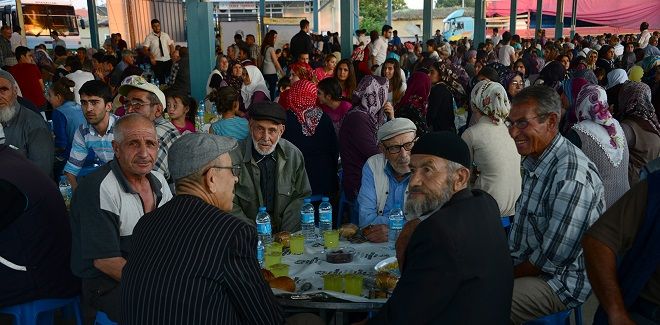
x=373 y=13
x=453 y=3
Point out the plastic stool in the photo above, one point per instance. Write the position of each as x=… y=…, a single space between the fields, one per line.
x=42 y=312
x=102 y=319
x=560 y=318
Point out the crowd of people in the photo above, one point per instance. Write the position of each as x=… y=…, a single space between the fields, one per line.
x=527 y=169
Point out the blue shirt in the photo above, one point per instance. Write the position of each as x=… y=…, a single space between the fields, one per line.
x=66 y=120
x=368 y=202
x=90 y=149
x=235 y=127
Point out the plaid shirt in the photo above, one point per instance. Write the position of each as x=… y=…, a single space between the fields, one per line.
x=562 y=196
x=167 y=133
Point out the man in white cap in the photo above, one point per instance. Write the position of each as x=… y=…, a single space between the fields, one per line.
x=148 y=100
x=385 y=177
x=22 y=128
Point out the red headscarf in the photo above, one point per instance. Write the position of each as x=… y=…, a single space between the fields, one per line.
x=303 y=104
x=303 y=70
x=417 y=93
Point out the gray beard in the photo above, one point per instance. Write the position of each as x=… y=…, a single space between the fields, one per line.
x=432 y=201
x=7 y=113
x=262 y=152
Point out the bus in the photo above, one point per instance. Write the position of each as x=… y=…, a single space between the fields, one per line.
x=40 y=18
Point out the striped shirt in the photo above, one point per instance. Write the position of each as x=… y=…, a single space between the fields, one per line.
x=167 y=133
x=562 y=196
x=191 y=263
x=90 y=149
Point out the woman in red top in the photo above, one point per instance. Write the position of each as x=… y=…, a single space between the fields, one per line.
x=328 y=70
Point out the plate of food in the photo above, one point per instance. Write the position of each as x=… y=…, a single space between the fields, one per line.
x=389 y=265
x=387 y=274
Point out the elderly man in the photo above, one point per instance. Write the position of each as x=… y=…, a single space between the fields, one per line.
x=562 y=195
x=214 y=251
x=106 y=207
x=274 y=171
x=453 y=271
x=621 y=253
x=385 y=177
x=149 y=101
x=22 y=128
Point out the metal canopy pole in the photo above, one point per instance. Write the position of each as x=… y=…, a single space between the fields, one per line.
x=315 y=8
x=347 y=25
x=427 y=23
x=389 y=12
x=93 y=24
x=539 y=17
x=513 y=17
x=201 y=40
x=573 y=19
x=355 y=9
x=262 y=15
x=479 y=21
x=559 y=19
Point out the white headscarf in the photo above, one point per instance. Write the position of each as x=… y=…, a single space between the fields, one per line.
x=257 y=83
x=491 y=100
x=616 y=77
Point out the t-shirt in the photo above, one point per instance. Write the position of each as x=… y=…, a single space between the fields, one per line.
x=27 y=76
x=618 y=226
x=79 y=77
x=235 y=127
x=152 y=43
x=505 y=54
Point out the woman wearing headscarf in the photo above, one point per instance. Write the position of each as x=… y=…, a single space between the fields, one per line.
x=446 y=94
x=640 y=125
x=514 y=82
x=592 y=58
x=495 y=159
x=254 y=88
x=601 y=138
x=414 y=103
x=299 y=71
x=571 y=88
x=552 y=75
x=311 y=131
x=615 y=79
x=470 y=61
x=357 y=136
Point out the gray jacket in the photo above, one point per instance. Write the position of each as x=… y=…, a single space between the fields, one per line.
x=28 y=132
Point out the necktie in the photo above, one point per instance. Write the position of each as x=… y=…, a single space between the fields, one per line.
x=160 y=47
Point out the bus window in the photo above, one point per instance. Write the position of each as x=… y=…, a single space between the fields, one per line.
x=40 y=19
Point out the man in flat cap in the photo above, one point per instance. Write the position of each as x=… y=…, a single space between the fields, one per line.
x=457 y=268
x=274 y=173
x=385 y=177
x=191 y=255
x=23 y=129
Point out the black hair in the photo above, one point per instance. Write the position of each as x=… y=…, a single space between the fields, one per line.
x=224 y=99
x=490 y=73
x=63 y=88
x=304 y=23
x=330 y=87
x=59 y=50
x=385 y=28
x=96 y=88
x=285 y=82
x=21 y=51
x=186 y=100
x=155 y=21
x=73 y=62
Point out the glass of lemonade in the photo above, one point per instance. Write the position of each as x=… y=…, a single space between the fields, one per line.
x=274 y=247
x=280 y=270
x=272 y=258
x=333 y=282
x=354 y=284
x=331 y=239
x=297 y=244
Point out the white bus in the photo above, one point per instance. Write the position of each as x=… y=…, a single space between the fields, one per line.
x=40 y=17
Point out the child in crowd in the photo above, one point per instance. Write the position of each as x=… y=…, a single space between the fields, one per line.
x=226 y=101
x=181 y=110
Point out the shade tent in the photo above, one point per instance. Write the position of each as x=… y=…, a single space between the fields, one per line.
x=617 y=13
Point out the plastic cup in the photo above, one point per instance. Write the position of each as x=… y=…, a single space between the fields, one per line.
x=331 y=238
x=274 y=247
x=354 y=284
x=333 y=282
x=272 y=258
x=280 y=270
x=297 y=244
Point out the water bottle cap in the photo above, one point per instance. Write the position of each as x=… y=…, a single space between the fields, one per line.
x=325 y=199
x=307 y=200
x=262 y=209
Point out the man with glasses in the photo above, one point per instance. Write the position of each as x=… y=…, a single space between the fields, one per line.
x=273 y=171
x=105 y=209
x=148 y=100
x=562 y=196
x=385 y=178
x=92 y=142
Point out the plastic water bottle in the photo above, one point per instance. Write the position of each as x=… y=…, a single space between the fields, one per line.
x=66 y=190
x=395 y=225
x=260 y=252
x=199 y=119
x=307 y=221
x=325 y=215
x=264 y=230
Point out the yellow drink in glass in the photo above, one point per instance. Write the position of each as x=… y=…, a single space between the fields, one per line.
x=280 y=270
x=272 y=258
x=333 y=282
x=331 y=238
x=354 y=284
x=274 y=247
x=297 y=244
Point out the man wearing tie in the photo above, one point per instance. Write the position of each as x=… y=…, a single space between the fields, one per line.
x=159 y=45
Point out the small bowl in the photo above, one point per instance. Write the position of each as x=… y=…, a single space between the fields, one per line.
x=340 y=255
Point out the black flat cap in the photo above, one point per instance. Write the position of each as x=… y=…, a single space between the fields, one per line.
x=446 y=145
x=267 y=111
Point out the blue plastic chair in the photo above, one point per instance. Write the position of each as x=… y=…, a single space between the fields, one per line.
x=102 y=319
x=42 y=311
x=560 y=318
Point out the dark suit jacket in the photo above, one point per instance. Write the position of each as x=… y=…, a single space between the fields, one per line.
x=301 y=43
x=457 y=270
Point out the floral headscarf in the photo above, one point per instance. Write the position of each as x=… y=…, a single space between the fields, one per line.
x=370 y=96
x=456 y=79
x=502 y=71
x=303 y=70
x=303 y=105
x=491 y=99
x=417 y=93
x=231 y=80
x=636 y=104
x=595 y=120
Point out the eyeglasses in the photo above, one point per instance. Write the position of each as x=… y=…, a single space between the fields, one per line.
x=520 y=124
x=397 y=147
x=138 y=105
x=235 y=170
